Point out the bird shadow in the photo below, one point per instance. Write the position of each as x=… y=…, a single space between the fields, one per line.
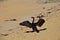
x=37 y=32
x=43 y=29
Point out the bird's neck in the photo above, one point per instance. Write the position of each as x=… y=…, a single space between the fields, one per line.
x=33 y=20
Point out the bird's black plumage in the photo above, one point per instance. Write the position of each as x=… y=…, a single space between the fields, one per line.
x=40 y=22
x=33 y=25
x=26 y=23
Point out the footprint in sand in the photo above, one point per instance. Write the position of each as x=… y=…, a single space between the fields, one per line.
x=58 y=4
x=4 y=34
x=11 y=20
x=10 y=29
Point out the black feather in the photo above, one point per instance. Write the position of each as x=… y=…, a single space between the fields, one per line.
x=40 y=22
x=26 y=23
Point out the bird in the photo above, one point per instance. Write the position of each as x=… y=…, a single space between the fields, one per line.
x=33 y=25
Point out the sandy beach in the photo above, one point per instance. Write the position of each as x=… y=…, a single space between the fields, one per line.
x=22 y=10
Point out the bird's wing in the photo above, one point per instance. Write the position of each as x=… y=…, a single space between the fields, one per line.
x=26 y=23
x=40 y=22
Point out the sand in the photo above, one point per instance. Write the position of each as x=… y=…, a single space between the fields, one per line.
x=22 y=10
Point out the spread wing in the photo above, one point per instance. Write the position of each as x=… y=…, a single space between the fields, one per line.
x=40 y=22
x=26 y=23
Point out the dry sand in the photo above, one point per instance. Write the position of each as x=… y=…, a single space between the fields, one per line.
x=22 y=10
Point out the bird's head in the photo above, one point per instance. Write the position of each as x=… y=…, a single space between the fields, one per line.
x=32 y=17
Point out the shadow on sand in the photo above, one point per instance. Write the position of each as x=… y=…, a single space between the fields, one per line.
x=38 y=30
